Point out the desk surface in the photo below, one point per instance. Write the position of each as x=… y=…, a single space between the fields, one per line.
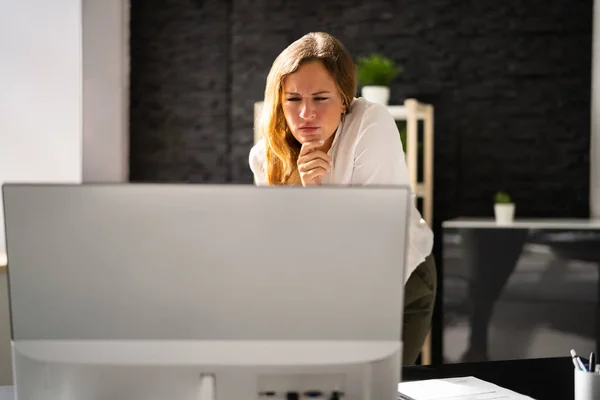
x=541 y=378
x=484 y=223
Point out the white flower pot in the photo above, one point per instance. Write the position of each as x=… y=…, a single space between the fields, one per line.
x=376 y=94
x=505 y=213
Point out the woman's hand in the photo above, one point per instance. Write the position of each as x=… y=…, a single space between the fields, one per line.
x=313 y=163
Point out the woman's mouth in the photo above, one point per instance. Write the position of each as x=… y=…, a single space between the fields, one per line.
x=309 y=130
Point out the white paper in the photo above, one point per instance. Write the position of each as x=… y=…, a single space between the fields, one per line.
x=6 y=393
x=466 y=388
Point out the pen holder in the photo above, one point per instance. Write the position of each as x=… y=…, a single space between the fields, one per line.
x=587 y=385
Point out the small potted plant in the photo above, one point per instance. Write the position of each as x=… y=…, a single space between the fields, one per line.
x=504 y=208
x=375 y=74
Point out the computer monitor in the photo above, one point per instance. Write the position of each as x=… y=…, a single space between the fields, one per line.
x=192 y=292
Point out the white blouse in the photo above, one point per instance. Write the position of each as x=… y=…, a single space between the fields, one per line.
x=366 y=150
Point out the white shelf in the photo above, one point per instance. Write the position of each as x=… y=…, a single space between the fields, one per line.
x=420 y=190
x=413 y=111
x=533 y=223
x=400 y=113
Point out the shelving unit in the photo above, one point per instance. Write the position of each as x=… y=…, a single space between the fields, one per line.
x=412 y=111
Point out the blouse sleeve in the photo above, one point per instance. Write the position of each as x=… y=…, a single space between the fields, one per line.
x=256 y=159
x=379 y=158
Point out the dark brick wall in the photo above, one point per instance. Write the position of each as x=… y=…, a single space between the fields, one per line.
x=180 y=91
x=510 y=82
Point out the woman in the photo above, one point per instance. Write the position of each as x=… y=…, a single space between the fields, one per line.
x=314 y=132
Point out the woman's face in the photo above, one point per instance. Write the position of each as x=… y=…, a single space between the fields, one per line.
x=312 y=103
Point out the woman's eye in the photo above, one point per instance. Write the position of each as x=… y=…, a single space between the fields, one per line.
x=320 y=98
x=293 y=99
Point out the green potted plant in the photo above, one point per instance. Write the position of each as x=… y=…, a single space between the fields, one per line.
x=375 y=74
x=504 y=208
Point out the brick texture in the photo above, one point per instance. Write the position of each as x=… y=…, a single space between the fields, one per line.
x=510 y=82
x=179 y=118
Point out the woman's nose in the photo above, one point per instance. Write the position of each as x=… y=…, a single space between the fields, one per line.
x=307 y=111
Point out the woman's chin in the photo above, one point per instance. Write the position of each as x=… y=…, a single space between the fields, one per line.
x=308 y=138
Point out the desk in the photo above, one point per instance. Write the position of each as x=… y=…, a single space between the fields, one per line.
x=541 y=379
x=534 y=281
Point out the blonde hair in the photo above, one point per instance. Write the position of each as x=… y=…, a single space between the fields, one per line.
x=282 y=148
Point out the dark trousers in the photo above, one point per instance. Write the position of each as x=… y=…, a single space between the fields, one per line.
x=419 y=299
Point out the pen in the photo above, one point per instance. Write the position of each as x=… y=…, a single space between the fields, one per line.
x=592 y=362
x=577 y=361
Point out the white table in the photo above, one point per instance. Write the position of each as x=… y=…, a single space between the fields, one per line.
x=539 y=223
x=490 y=252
